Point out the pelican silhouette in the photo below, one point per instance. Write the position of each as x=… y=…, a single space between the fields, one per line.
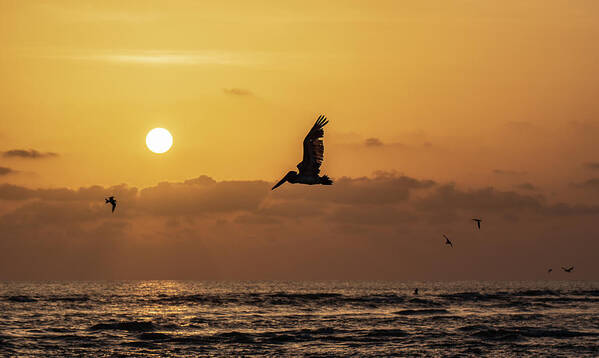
x=447 y=241
x=416 y=291
x=549 y=271
x=309 y=167
x=477 y=221
x=569 y=269
x=112 y=201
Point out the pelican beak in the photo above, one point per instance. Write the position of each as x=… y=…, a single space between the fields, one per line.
x=279 y=183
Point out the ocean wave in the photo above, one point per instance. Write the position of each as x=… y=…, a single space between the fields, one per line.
x=424 y=302
x=20 y=298
x=201 y=299
x=384 y=333
x=223 y=337
x=421 y=312
x=305 y=296
x=564 y=299
x=585 y=292
x=76 y=298
x=124 y=326
x=537 y=293
x=524 y=317
x=473 y=296
x=154 y=336
x=521 y=333
x=283 y=298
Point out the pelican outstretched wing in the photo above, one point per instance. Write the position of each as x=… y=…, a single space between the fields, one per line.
x=313 y=149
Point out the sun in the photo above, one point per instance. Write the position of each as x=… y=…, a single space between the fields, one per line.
x=159 y=140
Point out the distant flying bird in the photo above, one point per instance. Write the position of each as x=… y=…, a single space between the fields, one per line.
x=549 y=271
x=447 y=242
x=112 y=201
x=309 y=168
x=569 y=269
x=477 y=221
x=416 y=291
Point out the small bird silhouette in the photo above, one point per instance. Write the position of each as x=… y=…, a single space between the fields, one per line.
x=569 y=269
x=549 y=271
x=477 y=221
x=416 y=291
x=447 y=241
x=112 y=201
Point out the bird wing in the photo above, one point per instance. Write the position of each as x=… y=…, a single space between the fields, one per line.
x=313 y=149
x=447 y=241
x=113 y=206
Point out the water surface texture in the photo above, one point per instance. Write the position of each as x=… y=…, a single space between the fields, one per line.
x=182 y=319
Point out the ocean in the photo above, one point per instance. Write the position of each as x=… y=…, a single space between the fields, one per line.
x=333 y=318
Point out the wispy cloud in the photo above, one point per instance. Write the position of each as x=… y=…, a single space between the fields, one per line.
x=28 y=154
x=237 y=92
x=591 y=165
x=373 y=142
x=147 y=57
x=6 y=171
x=592 y=183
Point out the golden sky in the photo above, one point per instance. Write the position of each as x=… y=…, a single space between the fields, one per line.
x=452 y=108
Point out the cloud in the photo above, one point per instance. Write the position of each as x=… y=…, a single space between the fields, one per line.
x=157 y=57
x=383 y=226
x=592 y=183
x=92 y=193
x=373 y=142
x=237 y=92
x=525 y=186
x=376 y=142
x=508 y=172
x=449 y=198
x=383 y=188
x=6 y=171
x=591 y=165
x=202 y=196
x=28 y=154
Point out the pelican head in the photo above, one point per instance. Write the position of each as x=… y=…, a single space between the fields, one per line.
x=290 y=177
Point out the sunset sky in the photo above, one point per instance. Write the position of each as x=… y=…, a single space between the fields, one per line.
x=439 y=111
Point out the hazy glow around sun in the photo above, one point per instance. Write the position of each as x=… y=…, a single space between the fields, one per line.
x=159 y=140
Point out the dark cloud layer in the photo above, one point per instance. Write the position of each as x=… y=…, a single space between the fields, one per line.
x=386 y=226
x=525 y=186
x=591 y=165
x=6 y=171
x=507 y=172
x=28 y=154
x=592 y=183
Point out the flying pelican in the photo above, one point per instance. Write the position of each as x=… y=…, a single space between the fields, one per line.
x=313 y=155
x=549 y=271
x=112 y=201
x=447 y=242
x=569 y=269
x=477 y=221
